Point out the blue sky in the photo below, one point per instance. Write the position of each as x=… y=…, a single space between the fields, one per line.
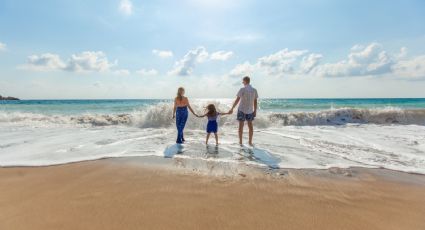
x=146 y=49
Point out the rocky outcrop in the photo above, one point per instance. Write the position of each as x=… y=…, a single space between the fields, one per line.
x=8 y=98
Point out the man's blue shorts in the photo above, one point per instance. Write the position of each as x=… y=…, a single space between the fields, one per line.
x=244 y=116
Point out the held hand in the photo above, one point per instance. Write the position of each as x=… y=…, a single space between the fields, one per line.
x=254 y=113
x=230 y=111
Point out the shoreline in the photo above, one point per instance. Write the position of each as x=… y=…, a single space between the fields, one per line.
x=197 y=168
x=134 y=193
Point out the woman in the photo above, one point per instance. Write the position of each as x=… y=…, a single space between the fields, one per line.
x=181 y=104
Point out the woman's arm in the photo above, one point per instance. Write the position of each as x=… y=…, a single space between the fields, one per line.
x=190 y=108
x=174 y=109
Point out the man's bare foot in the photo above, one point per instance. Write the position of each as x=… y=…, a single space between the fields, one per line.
x=251 y=144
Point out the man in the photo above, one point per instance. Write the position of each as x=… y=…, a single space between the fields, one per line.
x=247 y=110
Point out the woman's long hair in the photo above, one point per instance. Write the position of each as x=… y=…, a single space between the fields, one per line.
x=180 y=92
x=211 y=111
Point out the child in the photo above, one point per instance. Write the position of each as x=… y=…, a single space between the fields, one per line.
x=212 y=125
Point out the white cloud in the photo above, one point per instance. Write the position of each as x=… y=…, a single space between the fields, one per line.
x=403 y=53
x=277 y=64
x=309 y=62
x=242 y=70
x=126 y=7
x=362 y=61
x=44 y=62
x=221 y=55
x=280 y=62
x=88 y=61
x=163 y=53
x=146 y=72
x=413 y=68
x=2 y=46
x=369 y=60
x=121 y=72
x=184 y=67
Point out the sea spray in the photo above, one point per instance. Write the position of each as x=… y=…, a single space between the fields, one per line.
x=160 y=116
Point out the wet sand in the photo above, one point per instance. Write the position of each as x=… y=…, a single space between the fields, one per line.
x=115 y=194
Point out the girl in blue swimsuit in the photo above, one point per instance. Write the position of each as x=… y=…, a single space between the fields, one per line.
x=212 y=125
x=181 y=104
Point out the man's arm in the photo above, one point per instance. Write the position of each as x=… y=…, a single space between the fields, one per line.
x=234 y=104
x=255 y=107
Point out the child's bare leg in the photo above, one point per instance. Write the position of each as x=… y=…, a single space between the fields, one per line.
x=208 y=136
x=216 y=138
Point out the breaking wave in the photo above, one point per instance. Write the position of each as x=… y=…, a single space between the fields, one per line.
x=160 y=116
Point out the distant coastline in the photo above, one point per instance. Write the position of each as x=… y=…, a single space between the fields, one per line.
x=9 y=98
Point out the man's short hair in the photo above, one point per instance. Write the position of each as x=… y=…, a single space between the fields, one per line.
x=247 y=79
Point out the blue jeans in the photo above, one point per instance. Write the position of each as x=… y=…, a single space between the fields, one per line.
x=181 y=118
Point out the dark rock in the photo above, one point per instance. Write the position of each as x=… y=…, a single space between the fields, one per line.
x=8 y=98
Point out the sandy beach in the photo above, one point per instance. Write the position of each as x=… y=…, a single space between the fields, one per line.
x=117 y=194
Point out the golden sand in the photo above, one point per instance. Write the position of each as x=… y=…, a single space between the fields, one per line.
x=101 y=195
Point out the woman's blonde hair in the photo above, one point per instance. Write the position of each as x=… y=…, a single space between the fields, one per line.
x=180 y=92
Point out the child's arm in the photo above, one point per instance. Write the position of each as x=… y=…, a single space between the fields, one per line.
x=201 y=115
x=225 y=113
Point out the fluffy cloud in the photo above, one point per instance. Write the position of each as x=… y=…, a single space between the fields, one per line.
x=277 y=64
x=309 y=62
x=369 y=60
x=146 y=72
x=221 y=55
x=44 y=62
x=126 y=7
x=242 y=70
x=163 y=53
x=413 y=68
x=362 y=61
x=184 y=67
x=88 y=61
x=2 y=46
x=281 y=61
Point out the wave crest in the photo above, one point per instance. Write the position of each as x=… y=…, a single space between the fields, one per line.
x=160 y=116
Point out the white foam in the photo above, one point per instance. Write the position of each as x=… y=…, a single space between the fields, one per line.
x=398 y=147
x=390 y=137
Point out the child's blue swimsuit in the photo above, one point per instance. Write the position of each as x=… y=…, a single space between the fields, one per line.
x=212 y=125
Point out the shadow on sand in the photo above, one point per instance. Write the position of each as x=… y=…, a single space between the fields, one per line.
x=260 y=155
x=172 y=150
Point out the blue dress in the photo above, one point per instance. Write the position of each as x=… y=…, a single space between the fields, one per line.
x=181 y=118
x=212 y=125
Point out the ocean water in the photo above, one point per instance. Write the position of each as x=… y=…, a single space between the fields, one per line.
x=289 y=133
